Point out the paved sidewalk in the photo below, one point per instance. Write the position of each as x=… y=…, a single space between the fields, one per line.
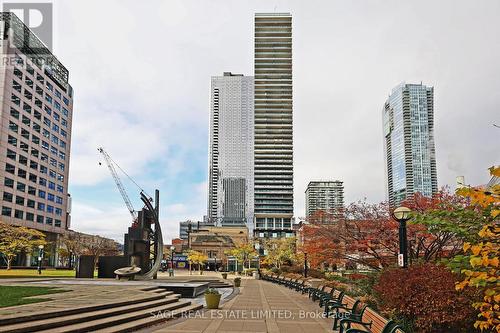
x=260 y=306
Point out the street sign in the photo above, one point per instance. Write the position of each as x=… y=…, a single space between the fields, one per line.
x=401 y=261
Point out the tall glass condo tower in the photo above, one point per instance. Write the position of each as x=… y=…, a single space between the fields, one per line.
x=408 y=117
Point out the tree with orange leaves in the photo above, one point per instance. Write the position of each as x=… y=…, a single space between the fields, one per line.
x=481 y=262
x=440 y=225
x=319 y=246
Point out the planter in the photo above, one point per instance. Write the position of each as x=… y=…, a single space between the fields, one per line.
x=212 y=301
x=237 y=282
x=224 y=276
x=256 y=275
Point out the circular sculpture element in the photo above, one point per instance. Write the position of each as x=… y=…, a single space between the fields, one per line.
x=127 y=272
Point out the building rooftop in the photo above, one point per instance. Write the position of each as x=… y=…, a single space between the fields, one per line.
x=32 y=47
x=212 y=239
x=231 y=74
x=272 y=14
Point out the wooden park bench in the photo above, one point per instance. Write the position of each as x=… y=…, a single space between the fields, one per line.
x=313 y=292
x=334 y=296
x=291 y=283
x=368 y=321
x=299 y=285
x=348 y=308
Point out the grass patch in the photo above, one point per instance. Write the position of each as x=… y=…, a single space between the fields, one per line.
x=15 y=295
x=33 y=273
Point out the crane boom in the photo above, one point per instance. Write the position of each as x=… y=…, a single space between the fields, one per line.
x=118 y=182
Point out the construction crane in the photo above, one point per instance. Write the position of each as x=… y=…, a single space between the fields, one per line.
x=111 y=166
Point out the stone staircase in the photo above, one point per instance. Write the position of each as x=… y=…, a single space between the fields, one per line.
x=152 y=307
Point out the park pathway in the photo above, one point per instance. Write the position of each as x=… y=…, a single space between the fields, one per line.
x=260 y=306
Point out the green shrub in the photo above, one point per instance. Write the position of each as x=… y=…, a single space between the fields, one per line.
x=212 y=291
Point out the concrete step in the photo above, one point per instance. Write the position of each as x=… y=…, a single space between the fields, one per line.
x=222 y=286
x=157 y=290
x=94 y=325
x=52 y=323
x=146 y=322
x=150 y=288
x=17 y=318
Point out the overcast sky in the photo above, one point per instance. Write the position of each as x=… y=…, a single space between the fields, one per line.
x=141 y=73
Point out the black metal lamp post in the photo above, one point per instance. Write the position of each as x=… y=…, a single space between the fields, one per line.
x=305 y=264
x=215 y=259
x=172 y=248
x=40 y=258
x=402 y=215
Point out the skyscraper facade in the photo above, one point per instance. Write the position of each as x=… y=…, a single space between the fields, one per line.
x=408 y=118
x=230 y=192
x=273 y=157
x=327 y=196
x=36 y=104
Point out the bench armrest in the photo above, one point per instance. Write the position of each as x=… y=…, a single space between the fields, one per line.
x=336 y=305
x=355 y=321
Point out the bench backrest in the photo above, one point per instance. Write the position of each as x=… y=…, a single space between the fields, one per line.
x=337 y=294
x=379 y=324
x=349 y=302
x=328 y=290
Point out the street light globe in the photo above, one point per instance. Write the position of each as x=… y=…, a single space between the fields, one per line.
x=40 y=247
x=172 y=248
x=402 y=213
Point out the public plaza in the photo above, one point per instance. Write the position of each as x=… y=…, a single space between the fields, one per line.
x=255 y=306
x=247 y=166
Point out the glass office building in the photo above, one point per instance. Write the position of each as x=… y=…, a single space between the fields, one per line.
x=230 y=185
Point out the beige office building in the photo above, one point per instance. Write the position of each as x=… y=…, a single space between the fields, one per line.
x=35 y=136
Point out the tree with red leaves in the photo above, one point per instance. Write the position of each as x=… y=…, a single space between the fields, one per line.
x=366 y=234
